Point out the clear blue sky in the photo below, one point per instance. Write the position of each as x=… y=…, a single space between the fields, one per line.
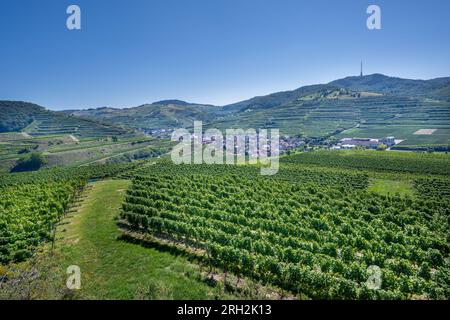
x=131 y=52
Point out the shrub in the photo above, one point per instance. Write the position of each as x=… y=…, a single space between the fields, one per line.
x=30 y=162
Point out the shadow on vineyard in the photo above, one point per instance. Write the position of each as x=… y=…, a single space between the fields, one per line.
x=227 y=283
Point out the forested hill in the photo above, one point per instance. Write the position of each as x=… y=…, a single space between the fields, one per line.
x=16 y=115
x=438 y=88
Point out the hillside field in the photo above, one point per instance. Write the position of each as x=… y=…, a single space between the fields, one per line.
x=67 y=150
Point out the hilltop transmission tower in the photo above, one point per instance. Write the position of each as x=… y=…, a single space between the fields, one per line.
x=361 y=74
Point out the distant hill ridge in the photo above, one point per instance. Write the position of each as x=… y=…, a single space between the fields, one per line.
x=18 y=116
x=15 y=115
x=438 y=88
x=312 y=110
x=179 y=103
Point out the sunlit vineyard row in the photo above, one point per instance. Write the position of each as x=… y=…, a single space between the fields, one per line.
x=288 y=172
x=67 y=173
x=315 y=237
x=371 y=160
x=437 y=189
x=31 y=203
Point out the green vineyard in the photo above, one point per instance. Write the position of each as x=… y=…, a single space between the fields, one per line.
x=316 y=229
x=414 y=163
x=31 y=204
x=225 y=159
x=310 y=234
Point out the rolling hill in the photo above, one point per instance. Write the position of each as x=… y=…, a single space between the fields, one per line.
x=16 y=116
x=370 y=106
x=276 y=99
x=371 y=116
x=438 y=88
x=337 y=105
x=158 y=115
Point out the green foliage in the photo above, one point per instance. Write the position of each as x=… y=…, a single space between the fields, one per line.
x=433 y=188
x=30 y=162
x=16 y=115
x=371 y=160
x=28 y=213
x=31 y=203
x=303 y=234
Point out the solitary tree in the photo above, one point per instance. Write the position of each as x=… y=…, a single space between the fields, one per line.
x=30 y=162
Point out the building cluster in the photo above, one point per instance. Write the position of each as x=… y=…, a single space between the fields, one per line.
x=368 y=143
x=289 y=143
x=157 y=133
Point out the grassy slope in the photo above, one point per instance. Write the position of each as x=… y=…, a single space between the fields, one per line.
x=385 y=186
x=114 y=269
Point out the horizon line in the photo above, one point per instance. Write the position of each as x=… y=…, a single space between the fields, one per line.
x=209 y=104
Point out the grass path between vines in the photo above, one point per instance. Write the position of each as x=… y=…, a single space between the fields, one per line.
x=387 y=186
x=115 y=269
